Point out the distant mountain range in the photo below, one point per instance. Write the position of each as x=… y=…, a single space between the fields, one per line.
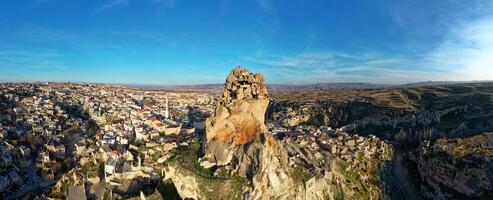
x=317 y=86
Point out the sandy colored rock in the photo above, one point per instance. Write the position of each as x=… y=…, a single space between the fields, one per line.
x=239 y=115
x=236 y=138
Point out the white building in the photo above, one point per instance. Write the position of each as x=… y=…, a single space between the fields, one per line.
x=139 y=132
x=110 y=165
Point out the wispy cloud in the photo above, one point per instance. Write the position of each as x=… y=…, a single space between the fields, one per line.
x=90 y=39
x=296 y=62
x=141 y=34
x=112 y=3
x=462 y=49
x=34 y=33
x=30 y=60
x=161 y=4
x=467 y=52
x=434 y=18
x=337 y=66
x=273 y=22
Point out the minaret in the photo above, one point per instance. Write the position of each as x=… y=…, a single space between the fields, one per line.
x=166 y=113
x=140 y=161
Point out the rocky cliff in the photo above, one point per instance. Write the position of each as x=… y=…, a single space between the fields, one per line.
x=306 y=168
x=406 y=115
x=236 y=136
x=456 y=169
x=239 y=116
x=243 y=160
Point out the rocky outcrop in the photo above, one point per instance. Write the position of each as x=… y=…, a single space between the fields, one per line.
x=185 y=184
x=418 y=113
x=313 y=167
x=265 y=162
x=239 y=115
x=308 y=168
x=236 y=135
x=456 y=169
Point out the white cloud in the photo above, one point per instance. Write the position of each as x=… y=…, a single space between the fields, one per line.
x=35 y=33
x=31 y=60
x=464 y=54
x=273 y=22
x=113 y=3
x=333 y=66
x=300 y=61
x=167 y=4
x=467 y=52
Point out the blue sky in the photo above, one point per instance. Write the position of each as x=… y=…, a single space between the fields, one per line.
x=290 y=41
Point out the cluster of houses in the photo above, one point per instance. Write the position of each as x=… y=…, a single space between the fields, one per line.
x=60 y=127
x=31 y=123
x=313 y=140
x=456 y=166
x=12 y=161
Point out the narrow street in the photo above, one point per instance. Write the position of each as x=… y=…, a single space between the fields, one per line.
x=396 y=183
x=401 y=175
x=33 y=186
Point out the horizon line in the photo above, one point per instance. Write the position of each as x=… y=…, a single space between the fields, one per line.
x=205 y=84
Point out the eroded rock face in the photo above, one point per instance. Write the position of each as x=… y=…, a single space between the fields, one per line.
x=239 y=115
x=273 y=177
x=185 y=185
x=299 y=168
x=456 y=168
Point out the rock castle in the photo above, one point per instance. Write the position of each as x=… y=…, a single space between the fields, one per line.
x=239 y=115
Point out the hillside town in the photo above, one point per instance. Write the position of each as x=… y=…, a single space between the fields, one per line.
x=246 y=100
x=50 y=130
x=97 y=141
x=93 y=141
x=246 y=158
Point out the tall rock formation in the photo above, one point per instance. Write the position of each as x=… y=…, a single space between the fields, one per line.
x=305 y=167
x=237 y=136
x=239 y=115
